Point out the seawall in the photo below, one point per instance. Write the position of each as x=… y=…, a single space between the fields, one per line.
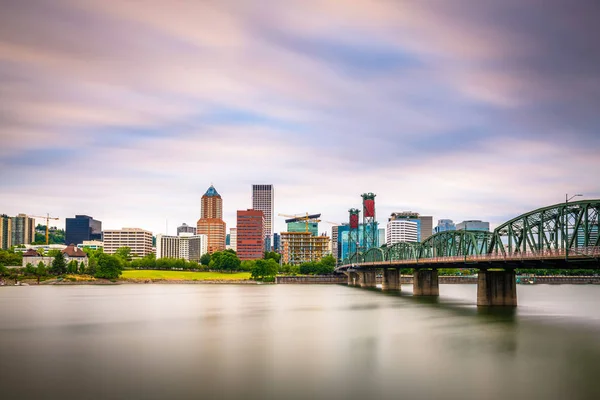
x=312 y=279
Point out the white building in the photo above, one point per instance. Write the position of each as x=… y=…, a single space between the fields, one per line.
x=233 y=239
x=91 y=244
x=401 y=230
x=185 y=246
x=262 y=199
x=138 y=240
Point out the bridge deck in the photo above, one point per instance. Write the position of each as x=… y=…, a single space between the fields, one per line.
x=582 y=257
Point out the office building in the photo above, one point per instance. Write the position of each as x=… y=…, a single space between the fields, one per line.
x=233 y=239
x=444 y=225
x=276 y=242
x=401 y=230
x=473 y=225
x=23 y=230
x=301 y=247
x=211 y=221
x=250 y=234
x=81 y=228
x=262 y=199
x=381 y=237
x=5 y=232
x=91 y=244
x=267 y=243
x=303 y=226
x=334 y=241
x=424 y=223
x=185 y=228
x=184 y=246
x=138 y=240
x=15 y=231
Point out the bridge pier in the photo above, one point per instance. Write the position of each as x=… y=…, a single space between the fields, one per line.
x=367 y=278
x=425 y=282
x=352 y=278
x=391 y=279
x=497 y=288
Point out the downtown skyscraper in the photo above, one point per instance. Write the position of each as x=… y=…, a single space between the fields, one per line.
x=211 y=221
x=262 y=199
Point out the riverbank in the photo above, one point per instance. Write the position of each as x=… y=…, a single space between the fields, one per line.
x=185 y=277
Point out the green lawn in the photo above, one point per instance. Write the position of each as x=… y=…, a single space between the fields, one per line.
x=184 y=275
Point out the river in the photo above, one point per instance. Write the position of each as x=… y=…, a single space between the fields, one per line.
x=296 y=342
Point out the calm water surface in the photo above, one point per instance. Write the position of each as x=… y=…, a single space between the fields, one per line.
x=296 y=342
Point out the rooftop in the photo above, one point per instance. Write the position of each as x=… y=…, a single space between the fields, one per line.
x=212 y=192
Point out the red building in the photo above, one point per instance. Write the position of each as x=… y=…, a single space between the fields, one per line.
x=250 y=234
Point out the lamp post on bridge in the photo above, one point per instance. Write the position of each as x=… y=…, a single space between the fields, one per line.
x=567 y=198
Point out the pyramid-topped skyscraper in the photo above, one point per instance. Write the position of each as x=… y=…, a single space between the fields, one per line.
x=211 y=221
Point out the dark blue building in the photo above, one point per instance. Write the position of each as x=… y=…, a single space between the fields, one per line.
x=81 y=228
x=276 y=242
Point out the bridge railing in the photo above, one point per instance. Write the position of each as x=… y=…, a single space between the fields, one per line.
x=590 y=252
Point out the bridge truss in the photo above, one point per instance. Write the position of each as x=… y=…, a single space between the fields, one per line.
x=555 y=232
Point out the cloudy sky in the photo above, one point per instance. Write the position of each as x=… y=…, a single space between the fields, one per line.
x=462 y=109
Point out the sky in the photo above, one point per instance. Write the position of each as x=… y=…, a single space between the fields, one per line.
x=128 y=111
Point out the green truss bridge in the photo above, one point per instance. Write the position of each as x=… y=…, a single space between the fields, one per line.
x=562 y=236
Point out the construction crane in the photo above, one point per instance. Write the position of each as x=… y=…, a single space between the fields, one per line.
x=47 y=218
x=306 y=218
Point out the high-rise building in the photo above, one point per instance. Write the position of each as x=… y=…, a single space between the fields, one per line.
x=23 y=230
x=381 y=237
x=250 y=234
x=15 y=231
x=276 y=242
x=138 y=240
x=300 y=226
x=5 y=232
x=334 y=241
x=233 y=239
x=473 y=225
x=424 y=223
x=262 y=199
x=185 y=246
x=185 y=228
x=444 y=225
x=401 y=230
x=81 y=228
x=211 y=221
x=301 y=247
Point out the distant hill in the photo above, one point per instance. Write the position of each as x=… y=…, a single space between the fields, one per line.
x=55 y=235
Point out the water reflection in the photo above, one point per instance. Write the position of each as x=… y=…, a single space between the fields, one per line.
x=287 y=341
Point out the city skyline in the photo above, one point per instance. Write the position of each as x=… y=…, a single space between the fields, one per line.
x=457 y=111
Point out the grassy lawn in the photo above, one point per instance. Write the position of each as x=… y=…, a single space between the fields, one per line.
x=184 y=275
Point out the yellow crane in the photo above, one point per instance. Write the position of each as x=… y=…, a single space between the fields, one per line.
x=306 y=218
x=47 y=218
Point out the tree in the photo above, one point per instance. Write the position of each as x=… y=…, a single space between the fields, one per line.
x=92 y=266
x=264 y=270
x=82 y=268
x=59 y=265
x=272 y=255
x=124 y=253
x=40 y=271
x=205 y=259
x=109 y=267
x=224 y=261
x=72 y=267
x=29 y=269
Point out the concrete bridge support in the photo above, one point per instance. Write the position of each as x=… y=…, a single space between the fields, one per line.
x=352 y=278
x=391 y=279
x=497 y=288
x=367 y=278
x=425 y=282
